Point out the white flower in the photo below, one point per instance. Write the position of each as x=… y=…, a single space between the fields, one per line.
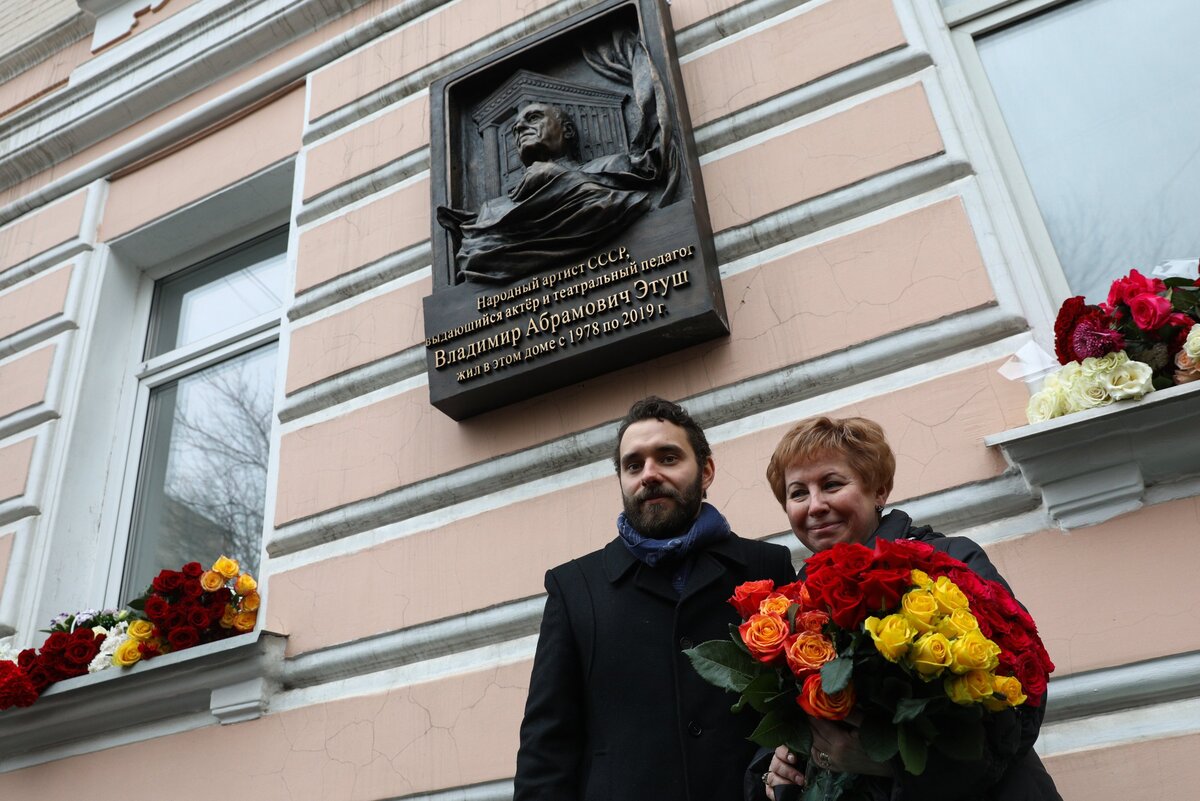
x=1096 y=365
x=1086 y=392
x=1046 y=405
x=1192 y=346
x=1129 y=380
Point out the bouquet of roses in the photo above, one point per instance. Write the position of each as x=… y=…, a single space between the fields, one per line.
x=912 y=641
x=180 y=609
x=1143 y=337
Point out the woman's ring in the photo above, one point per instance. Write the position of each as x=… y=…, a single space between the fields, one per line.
x=764 y=777
x=824 y=760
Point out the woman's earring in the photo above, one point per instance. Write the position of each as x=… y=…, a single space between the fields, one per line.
x=878 y=509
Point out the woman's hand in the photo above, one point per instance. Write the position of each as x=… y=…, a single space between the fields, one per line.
x=836 y=747
x=782 y=771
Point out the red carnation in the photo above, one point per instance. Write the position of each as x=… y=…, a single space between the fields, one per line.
x=1081 y=331
x=16 y=689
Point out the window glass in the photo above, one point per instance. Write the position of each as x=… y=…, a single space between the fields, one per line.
x=218 y=294
x=1097 y=96
x=204 y=469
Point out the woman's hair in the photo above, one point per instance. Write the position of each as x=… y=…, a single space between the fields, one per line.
x=856 y=439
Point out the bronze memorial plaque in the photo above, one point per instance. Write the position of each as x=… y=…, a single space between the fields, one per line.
x=570 y=232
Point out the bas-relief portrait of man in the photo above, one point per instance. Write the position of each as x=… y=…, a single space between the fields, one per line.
x=564 y=165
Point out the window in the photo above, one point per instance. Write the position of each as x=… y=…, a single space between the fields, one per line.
x=206 y=394
x=1095 y=98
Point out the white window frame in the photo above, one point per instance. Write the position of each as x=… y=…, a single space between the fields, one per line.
x=79 y=554
x=150 y=374
x=967 y=22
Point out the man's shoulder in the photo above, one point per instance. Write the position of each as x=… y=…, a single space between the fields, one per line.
x=760 y=548
x=587 y=563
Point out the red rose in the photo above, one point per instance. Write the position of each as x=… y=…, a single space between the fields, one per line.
x=795 y=591
x=903 y=554
x=81 y=650
x=192 y=570
x=850 y=559
x=746 y=596
x=173 y=618
x=183 y=637
x=156 y=608
x=1029 y=671
x=224 y=595
x=166 y=581
x=198 y=616
x=1124 y=290
x=847 y=607
x=27 y=658
x=972 y=586
x=190 y=589
x=56 y=643
x=881 y=589
x=1150 y=312
x=39 y=677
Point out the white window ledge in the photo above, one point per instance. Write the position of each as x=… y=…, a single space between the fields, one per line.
x=1092 y=466
x=233 y=679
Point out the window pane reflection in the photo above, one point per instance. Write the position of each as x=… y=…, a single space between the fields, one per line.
x=230 y=289
x=204 y=469
x=1097 y=97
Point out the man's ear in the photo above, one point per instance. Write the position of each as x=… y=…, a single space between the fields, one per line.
x=708 y=471
x=568 y=128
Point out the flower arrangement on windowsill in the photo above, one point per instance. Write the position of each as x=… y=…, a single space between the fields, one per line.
x=180 y=609
x=1145 y=336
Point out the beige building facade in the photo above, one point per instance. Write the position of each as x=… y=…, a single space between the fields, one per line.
x=882 y=254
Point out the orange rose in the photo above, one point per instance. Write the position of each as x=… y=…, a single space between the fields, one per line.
x=813 y=621
x=806 y=652
x=250 y=602
x=774 y=604
x=819 y=704
x=227 y=617
x=211 y=581
x=245 y=584
x=765 y=636
x=244 y=621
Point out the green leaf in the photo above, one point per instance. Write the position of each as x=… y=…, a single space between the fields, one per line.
x=724 y=665
x=909 y=709
x=736 y=636
x=779 y=728
x=878 y=737
x=759 y=693
x=913 y=750
x=791 y=616
x=835 y=675
x=137 y=603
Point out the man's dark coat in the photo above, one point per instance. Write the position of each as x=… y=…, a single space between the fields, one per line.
x=615 y=711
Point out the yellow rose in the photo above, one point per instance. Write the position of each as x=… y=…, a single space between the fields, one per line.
x=227 y=617
x=892 y=635
x=250 y=602
x=141 y=630
x=226 y=567
x=127 y=653
x=921 y=609
x=973 y=651
x=957 y=623
x=948 y=596
x=211 y=581
x=1010 y=688
x=246 y=583
x=930 y=655
x=244 y=621
x=919 y=578
x=970 y=688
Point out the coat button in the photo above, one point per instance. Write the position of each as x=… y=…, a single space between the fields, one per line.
x=694 y=729
x=685 y=643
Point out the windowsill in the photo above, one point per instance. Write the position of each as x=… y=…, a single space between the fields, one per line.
x=232 y=679
x=1092 y=466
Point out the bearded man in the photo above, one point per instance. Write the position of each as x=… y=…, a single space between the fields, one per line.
x=615 y=711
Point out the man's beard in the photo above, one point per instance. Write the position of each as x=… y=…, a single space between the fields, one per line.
x=660 y=522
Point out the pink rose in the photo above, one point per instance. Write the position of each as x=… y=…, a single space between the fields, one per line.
x=1150 y=312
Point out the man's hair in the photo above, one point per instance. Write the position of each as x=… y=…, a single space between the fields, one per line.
x=859 y=441
x=656 y=408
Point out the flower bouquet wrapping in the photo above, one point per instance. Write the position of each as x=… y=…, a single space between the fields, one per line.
x=180 y=609
x=1145 y=336
x=911 y=641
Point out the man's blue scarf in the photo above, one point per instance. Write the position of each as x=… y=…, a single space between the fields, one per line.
x=676 y=552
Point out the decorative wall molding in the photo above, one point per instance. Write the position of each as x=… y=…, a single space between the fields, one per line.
x=796 y=382
x=1092 y=466
x=353 y=383
x=115 y=18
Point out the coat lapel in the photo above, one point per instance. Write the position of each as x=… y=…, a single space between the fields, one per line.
x=712 y=564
